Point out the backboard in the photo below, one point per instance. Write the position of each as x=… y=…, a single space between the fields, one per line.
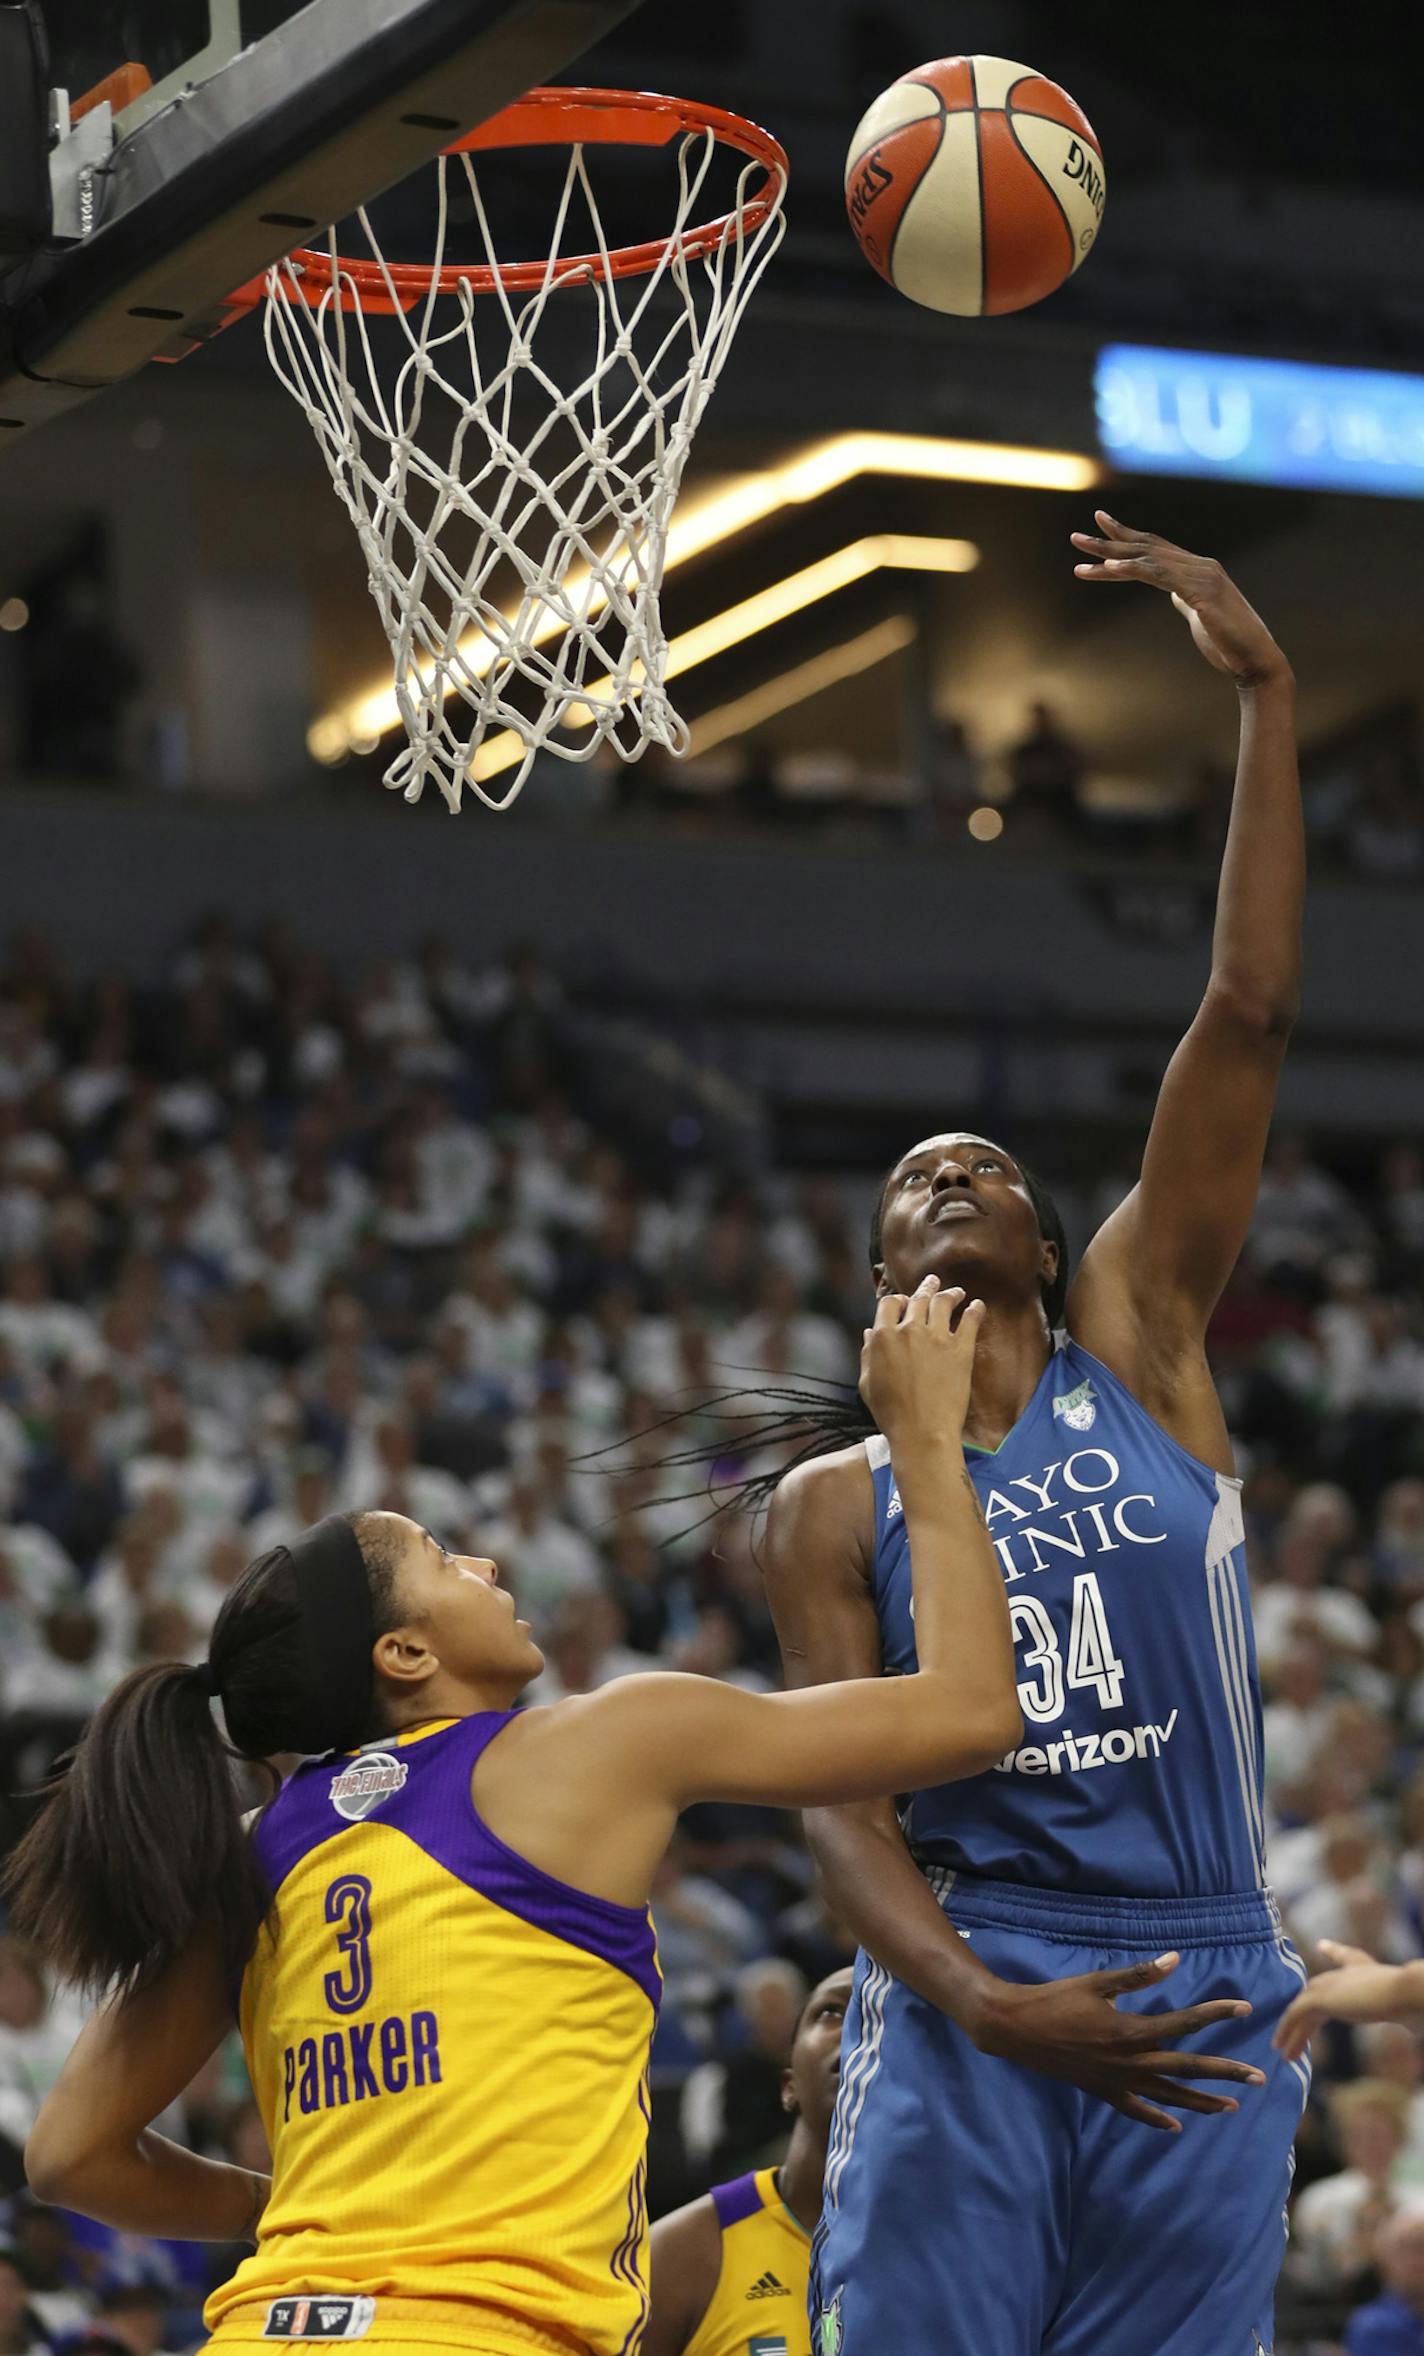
x=199 y=140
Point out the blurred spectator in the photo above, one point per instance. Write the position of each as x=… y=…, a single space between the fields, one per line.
x=131 y=2320
x=1384 y=832
x=704 y=1934
x=1045 y=769
x=1337 y=2217
x=21 y=2331
x=542 y=1558
x=1303 y=1216
x=731 y=2112
x=1393 y=2324
x=36 y=2032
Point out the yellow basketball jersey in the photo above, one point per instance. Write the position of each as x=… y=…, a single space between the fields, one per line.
x=449 y=2050
x=759 y=2307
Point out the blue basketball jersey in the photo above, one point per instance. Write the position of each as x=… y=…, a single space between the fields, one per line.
x=1139 y=1772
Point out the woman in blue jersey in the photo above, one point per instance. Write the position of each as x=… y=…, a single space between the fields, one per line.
x=978 y=2201
x=438 y=1932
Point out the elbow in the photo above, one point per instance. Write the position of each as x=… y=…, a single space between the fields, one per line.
x=56 y=2164
x=1002 y=1731
x=982 y=1734
x=48 y=2177
x=1257 y=1008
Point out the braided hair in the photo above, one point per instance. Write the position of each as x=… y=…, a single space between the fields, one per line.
x=814 y=1417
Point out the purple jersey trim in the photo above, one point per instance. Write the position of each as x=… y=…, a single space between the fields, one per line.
x=737 y=2201
x=435 y=1810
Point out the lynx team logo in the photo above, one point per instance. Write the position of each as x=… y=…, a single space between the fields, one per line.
x=1078 y=1408
x=829 y=2335
x=365 y=1783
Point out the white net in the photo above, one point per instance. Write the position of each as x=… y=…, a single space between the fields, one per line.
x=514 y=531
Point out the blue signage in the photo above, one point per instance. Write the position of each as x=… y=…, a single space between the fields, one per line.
x=1261 y=421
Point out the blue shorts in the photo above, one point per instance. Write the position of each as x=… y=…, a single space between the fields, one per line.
x=974 y=2208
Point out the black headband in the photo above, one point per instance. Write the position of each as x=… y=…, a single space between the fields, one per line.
x=338 y=1632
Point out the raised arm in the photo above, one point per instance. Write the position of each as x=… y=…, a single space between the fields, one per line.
x=1152 y=1277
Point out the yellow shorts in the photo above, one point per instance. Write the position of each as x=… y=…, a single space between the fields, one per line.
x=398 y=2327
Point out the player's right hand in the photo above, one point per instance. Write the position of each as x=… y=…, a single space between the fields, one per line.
x=1072 y=2029
x=918 y=1362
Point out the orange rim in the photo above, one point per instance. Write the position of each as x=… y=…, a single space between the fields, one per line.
x=550 y=118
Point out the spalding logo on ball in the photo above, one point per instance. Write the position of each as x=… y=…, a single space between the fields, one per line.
x=975 y=185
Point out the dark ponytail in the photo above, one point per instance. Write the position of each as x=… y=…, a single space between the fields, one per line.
x=141 y=1839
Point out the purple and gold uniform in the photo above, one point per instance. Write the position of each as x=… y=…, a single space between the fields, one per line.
x=758 y=2307
x=450 y=2051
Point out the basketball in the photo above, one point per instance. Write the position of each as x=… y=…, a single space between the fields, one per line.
x=975 y=185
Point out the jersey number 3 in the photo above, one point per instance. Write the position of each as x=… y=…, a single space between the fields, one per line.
x=348 y=1904
x=1091 y=1659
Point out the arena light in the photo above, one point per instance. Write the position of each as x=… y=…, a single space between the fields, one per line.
x=905 y=551
x=747 y=500
x=798 y=685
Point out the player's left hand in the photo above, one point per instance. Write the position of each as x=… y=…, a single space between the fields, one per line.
x=1228 y=631
x=1353 y=1987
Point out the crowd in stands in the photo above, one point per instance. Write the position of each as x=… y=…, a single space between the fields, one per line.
x=1047 y=791
x=275 y=1242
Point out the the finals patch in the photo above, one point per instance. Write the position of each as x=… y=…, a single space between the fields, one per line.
x=367 y=1781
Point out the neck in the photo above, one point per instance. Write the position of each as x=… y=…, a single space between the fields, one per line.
x=798 y=2179
x=441 y=1698
x=1014 y=1348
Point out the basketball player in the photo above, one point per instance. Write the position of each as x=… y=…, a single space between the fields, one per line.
x=728 y=2273
x=447 y=1974
x=977 y=2202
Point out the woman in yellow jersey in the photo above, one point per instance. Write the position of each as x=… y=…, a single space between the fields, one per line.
x=728 y=2274
x=437 y=1936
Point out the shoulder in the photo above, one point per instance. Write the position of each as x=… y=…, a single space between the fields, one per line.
x=828 y=1502
x=689 y=2232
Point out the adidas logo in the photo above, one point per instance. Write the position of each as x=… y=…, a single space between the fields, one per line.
x=768 y=2286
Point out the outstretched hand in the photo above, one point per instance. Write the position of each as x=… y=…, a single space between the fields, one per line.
x=1228 y=631
x=1352 y=1987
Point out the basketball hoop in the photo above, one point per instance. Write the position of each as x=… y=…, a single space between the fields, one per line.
x=514 y=532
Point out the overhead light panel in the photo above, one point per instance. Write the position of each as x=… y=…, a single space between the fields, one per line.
x=747 y=500
x=905 y=551
x=797 y=686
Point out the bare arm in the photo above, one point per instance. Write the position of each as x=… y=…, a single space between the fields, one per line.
x=684 y=2261
x=629 y=1757
x=818 y=1552
x=1152 y=1277
x=659 y=1742
x=817 y=1574
x=92 y=2147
